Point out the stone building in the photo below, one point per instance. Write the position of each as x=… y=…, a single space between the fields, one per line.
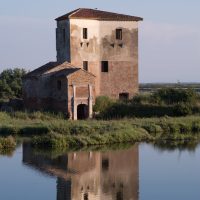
x=97 y=55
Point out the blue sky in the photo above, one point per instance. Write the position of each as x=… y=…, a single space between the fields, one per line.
x=169 y=35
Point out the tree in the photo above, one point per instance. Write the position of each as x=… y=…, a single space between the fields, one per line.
x=11 y=83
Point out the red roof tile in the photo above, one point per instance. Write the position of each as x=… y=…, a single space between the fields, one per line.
x=84 y=13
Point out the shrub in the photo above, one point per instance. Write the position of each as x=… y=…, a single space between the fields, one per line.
x=122 y=110
x=185 y=128
x=196 y=127
x=7 y=143
x=182 y=109
x=141 y=99
x=11 y=83
x=52 y=141
x=152 y=128
x=175 y=96
x=102 y=103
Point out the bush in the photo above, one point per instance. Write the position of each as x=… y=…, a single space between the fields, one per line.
x=7 y=143
x=196 y=127
x=52 y=141
x=11 y=83
x=122 y=110
x=185 y=128
x=182 y=109
x=152 y=128
x=174 y=96
x=102 y=103
x=141 y=99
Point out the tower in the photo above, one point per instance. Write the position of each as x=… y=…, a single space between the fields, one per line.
x=103 y=43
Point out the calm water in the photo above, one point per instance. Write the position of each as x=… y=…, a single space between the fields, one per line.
x=142 y=172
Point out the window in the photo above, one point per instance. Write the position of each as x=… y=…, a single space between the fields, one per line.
x=85 y=33
x=124 y=96
x=104 y=66
x=59 y=84
x=85 y=65
x=119 y=195
x=105 y=164
x=85 y=196
x=119 y=34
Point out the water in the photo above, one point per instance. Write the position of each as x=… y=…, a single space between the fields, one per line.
x=142 y=172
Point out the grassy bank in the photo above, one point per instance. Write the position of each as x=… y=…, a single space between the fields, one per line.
x=53 y=131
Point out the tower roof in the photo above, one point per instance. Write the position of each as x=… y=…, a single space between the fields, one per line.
x=94 y=14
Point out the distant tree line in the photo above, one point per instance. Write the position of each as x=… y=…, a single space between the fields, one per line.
x=11 y=83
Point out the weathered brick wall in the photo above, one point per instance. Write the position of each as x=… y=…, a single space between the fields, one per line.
x=63 y=42
x=61 y=94
x=82 y=91
x=42 y=94
x=81 y=79
x=121 y=78
x=102 y=45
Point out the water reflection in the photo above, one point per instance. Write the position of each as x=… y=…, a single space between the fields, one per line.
x=183 y=145
x=110 y=175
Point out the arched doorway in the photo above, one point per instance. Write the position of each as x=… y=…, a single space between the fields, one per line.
x=82 y=111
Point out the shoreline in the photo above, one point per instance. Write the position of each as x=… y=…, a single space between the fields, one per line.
x=51 y=132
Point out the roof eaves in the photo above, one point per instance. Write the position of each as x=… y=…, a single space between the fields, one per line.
x=109 y=19
x=88 y=72
x=80 y=69
x=66 y=16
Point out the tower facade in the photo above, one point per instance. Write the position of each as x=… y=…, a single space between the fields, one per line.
x=104 y=44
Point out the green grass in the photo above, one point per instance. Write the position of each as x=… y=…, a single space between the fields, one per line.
x=53 y=131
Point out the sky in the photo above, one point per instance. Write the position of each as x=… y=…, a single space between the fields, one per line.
x=169 y=36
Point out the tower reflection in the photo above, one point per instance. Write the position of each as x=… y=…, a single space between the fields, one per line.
x=112 y=175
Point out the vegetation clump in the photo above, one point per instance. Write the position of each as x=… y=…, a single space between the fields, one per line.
x=172 y=96
x=51 y=141
x=102 y=103
x=7 y=143
x=11 y=83
x=164 y=102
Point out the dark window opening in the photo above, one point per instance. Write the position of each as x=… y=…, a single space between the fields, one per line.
x=85 y=197
x=119 y=34
x=104 y=66
x=124 y=96
x=59 y=84
x=105 y=164
x=112 y=45
x=85 y=33
x=85 y=65
x=119 y=196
